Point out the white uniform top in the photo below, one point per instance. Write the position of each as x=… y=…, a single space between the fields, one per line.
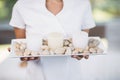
x=33 y=16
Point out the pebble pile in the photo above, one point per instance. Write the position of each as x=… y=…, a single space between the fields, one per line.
x=20 y=48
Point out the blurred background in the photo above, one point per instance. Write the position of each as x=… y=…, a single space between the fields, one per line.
x=103 y=67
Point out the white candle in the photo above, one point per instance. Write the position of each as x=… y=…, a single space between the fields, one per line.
x=34 y=41
x=55 y=40
x=80 y=39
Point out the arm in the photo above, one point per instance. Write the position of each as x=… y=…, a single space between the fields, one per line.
x=20 y=33
x=86 y=30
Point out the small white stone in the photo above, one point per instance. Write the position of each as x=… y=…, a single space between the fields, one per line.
x=70 y=40
x=16 y=50
x=19 y=53
x=86 y=52
x=68 y=51
x=22 y=46
x=66 y=43
x=75 y=52
x=45 y=52
x=70 y=45
x=72 y=48
x=99 y=50
x=51 y=52
x=87 y=48
x=93 y=43
x=79 y=50
x=92 y=50
x=16 y=45
x=44 y=47
x=34 y=53
x=65 y=48
x=45 y=42
x=40 y=52
x=27 y=52
x=60 y=51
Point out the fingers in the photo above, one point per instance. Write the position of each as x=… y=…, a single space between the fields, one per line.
x=77 y=57
x=29 y=58
x=24 y=59
x=33 y=58
x=86 y=56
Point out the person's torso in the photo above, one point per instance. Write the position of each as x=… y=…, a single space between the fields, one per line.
x=39 y=20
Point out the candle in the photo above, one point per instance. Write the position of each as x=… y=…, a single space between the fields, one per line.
x=55 y=40
x=80 y=39
x=34 y=41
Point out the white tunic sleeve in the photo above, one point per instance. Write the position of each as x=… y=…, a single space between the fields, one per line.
x=88 y=21
x=16 y=19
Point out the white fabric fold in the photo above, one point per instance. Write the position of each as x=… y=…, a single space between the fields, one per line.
x=34 y=71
